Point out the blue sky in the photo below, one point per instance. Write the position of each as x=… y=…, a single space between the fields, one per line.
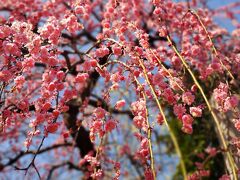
x=223 y=22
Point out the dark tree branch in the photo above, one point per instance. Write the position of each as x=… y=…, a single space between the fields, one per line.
x=105 y=106
x=32 y=163
x=22 y=153
x=68 y=163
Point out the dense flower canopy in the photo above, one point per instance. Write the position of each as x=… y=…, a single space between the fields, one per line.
x=104 y=89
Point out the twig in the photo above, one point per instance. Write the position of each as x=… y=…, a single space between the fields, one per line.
x=32 y=163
